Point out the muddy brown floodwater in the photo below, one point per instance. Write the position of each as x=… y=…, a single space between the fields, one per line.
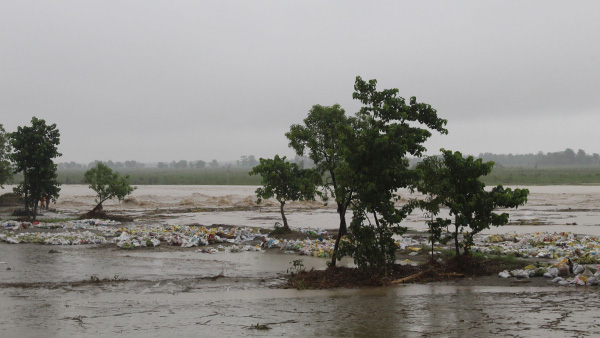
x=181 y=292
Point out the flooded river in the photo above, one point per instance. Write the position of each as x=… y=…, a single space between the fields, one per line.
x=558 y=208
x=164 y=292
x=177 y=294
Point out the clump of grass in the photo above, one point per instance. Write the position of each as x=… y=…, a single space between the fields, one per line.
x=297 y=266
x=128 y=246
x=508 y=262
x=485 y=261
x=587 y=259
x=57 y=220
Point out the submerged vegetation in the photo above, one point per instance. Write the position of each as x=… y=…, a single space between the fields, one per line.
x=107 y=185
x=448 y=267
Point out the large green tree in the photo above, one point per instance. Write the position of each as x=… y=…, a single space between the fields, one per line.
x=35 y=148
x=285 y=182
x=5 y=166
x=385 y=131
x=107 y=184
x=363 y=159
x=454 y=182
x=321 y=138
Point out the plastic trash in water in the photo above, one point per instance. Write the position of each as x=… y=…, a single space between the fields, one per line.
x=551 y=272
x=522 y=273
x=581 y=280
x=564 y=283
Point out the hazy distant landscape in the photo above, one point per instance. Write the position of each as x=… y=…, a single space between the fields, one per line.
x=419 y=168
x=563 y=167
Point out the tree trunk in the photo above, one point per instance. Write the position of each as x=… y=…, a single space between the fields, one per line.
x=431 y=237
x=286 y=227
x=342 y=232
x=26 y=202
x=36 y=198
x=97 y=208
x=35 y=209
x=456 y=239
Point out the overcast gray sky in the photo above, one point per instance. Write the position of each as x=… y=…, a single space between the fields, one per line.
x=170 y=80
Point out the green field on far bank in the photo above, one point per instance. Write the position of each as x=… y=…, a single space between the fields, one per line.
x=544 y=176
x=239 y=176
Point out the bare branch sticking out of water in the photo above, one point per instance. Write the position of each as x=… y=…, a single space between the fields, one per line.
x=78 y=319
x=266 y=325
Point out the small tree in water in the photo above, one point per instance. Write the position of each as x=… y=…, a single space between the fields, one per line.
x=321 y=137
x=453 y=182
x=107 y=185
x=285 y=181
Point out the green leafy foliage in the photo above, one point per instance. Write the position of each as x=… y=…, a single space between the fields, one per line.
x=5 y=166
x=107 y=184
x=385 y=131
x=454 y=182
x=285 y=182
x=431 y=181
x=297 y=266
x=321 y=137
x=363 y=160
x=35 y=147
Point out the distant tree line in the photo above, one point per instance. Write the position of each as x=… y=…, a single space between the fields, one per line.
x=119 y=165
x=245 y=161
x=568 y=157
x=113 y=165
x=182 y=164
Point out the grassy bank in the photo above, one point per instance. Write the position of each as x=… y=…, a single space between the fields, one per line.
x=545 y=176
